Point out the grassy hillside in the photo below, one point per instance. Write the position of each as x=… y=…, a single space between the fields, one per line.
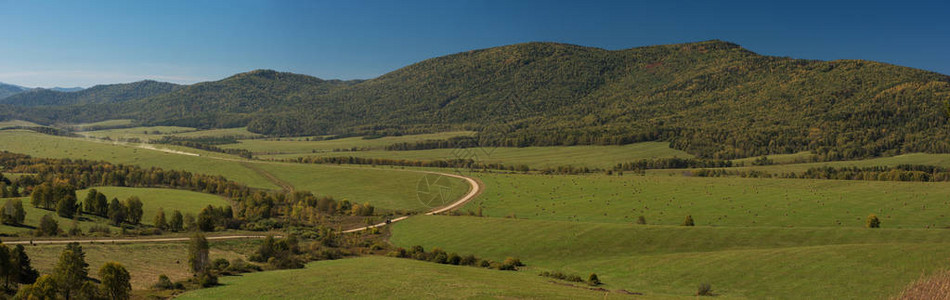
x=152 y=200
x=767 y=262
x=667 y=200
x=391 y=278
x=384 y=188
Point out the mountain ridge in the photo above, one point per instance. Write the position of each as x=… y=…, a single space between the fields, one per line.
x=712 y=98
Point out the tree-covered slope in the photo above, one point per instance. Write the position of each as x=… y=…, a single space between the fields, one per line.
x=100 y=94
x=711 y=98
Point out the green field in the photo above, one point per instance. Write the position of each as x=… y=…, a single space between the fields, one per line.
x=103 y=124
x=157 y=132
x=141 y=133
x=391 y=278
x=385 y=188
x=152 y=199
x=754 y=262
x=667 y=200
x=603 y=157
x=302 y=146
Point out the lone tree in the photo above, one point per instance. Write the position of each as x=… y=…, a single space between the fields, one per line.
x=873 y=221
x=71 y=271
x=198 y=257
x=688 y=221
x=115 y=281
x=25 y=273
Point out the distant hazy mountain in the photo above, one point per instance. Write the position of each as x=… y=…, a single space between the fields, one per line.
x=7 y=90
x=111 y=93
x=713 y=99
x=67 y=90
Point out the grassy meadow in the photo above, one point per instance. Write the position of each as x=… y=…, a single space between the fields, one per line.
x=144 y=261
x=392 y=278
x=667 y=200
x=753 y=262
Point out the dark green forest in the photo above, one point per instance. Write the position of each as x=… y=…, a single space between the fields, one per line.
x=714 y=99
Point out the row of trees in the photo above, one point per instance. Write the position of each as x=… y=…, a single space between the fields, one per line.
x=53 y=182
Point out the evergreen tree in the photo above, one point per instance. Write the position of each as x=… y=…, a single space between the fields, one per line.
x=71 y=271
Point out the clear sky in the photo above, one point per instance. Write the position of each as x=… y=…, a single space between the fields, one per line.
x=83 y=43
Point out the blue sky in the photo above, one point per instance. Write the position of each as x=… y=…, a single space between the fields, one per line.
x=83 y=43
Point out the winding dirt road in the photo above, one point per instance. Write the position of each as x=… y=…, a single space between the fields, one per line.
x=474 y=189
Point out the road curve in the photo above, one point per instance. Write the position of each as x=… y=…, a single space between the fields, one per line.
x=473 y=191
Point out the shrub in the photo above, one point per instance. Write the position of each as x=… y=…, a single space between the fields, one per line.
x=163 y=283
x=468 y=260
x=642 y=220
x=593 y=280
x=704 y=289
x=514 y=262
x=688 y=221
x=454 y=259
x=220 y=264
x=206 y=279
x=484 y=263
x=873 y=221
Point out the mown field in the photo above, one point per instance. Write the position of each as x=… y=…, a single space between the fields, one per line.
x=307 y=145
x=385 y=188
x=152 y=200
x=392 y=278
x=667 y=200
x=754 y=262
x=147 y=133
x=144 y=261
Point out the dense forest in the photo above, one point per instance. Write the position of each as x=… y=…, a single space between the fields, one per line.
x=713 y=99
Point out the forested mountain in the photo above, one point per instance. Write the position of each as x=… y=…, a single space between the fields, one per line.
x=713 y=99
x=111 y=93
x=7 y=90
x=232 y=101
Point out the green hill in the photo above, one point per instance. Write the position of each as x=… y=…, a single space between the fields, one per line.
x=711 y=99
x=110 y=93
